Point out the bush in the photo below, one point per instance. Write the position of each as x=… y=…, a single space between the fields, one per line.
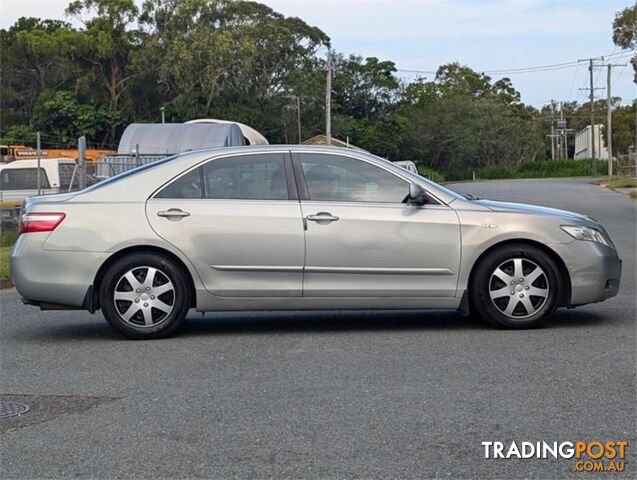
x=496 y=172
x=535 y=169
x=431 y=174
x=561 y=168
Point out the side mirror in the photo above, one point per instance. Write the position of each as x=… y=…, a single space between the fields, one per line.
x=417 y=195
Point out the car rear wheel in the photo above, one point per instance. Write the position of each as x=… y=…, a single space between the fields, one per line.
x=144 y=296
x=515 y=286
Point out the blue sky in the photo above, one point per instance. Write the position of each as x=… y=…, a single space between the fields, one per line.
x=484 y=34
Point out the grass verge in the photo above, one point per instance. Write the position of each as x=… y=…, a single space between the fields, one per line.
x=4 y=263
x=622 y=183
x=8 y=237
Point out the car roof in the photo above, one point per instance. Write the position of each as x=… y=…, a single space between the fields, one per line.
x=278 y=147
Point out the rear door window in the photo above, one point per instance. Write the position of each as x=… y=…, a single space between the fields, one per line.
x=241 y=177
x=251 y=177
x=186 y=186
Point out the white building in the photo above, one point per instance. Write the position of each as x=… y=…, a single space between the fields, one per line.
x=583 y=142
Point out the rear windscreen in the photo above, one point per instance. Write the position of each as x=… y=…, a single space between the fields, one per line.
x=66 y=174
x=23 y=179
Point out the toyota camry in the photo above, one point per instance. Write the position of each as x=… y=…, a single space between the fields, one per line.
x=296 y=227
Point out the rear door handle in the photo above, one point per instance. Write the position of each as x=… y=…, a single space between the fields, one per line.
x=173 y=213
x=322 y=217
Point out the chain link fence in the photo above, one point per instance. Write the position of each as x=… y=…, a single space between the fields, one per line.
x=108 y=166
x=627 y=165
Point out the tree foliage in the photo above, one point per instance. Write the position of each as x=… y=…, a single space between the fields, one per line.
x=243 y=61
x=624 y=29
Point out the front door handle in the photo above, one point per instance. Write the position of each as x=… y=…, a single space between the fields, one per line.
x=173 y=214
x=322 y=217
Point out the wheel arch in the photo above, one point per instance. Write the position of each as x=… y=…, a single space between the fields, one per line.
x=99 y=275
x=565 y=295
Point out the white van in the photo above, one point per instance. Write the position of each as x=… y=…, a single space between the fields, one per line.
x=407 y=165
x=19 y=179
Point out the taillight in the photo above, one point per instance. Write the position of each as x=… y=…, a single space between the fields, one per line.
x=40 y=222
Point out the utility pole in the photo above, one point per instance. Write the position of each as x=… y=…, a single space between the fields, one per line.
x=81 y=146
x=609 y=116
x=634 y=62
x=561 y=126
x=609 y=125
x=552 y=130
x=555 y=145
x=591 y=67
x=552 y=140
x=163 y=114
x=592 y=98
x=298 y=115
x=39 y=150
x=328 y=100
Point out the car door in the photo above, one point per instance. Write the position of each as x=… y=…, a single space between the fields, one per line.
x=364 y=240
x=238 y=219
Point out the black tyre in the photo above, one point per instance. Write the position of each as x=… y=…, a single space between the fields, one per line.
x=515 y=286
x=144 y=295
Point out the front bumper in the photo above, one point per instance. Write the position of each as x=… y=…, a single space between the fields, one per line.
x=594 y=270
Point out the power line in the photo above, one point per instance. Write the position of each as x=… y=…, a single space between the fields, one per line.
x=570 y=90
x=501 y=72
x=532 y=69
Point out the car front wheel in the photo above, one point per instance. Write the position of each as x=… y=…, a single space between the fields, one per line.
x=144 y=296
x=516 y=286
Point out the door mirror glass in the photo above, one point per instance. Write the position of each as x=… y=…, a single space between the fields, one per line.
x=417 y=195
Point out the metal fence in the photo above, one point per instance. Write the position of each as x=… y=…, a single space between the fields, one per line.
x=627 y=165
x=107 y=166
x=111 y=165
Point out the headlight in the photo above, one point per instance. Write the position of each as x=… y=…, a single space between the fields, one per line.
x=588 y=234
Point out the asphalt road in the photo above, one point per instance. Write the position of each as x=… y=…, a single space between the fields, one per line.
x=333 y=395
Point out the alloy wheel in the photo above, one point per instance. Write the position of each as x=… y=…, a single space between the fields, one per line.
x=518 y=288
x=144 y=296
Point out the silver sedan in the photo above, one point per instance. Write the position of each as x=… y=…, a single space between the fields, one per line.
x=294 y=227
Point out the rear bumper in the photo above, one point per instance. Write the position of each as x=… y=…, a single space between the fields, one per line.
x=50 y=278
x=594 y=270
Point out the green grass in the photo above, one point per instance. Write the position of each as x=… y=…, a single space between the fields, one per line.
x=4 y=262
x=622 y=183
x=8 y=237
x=633 y=195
